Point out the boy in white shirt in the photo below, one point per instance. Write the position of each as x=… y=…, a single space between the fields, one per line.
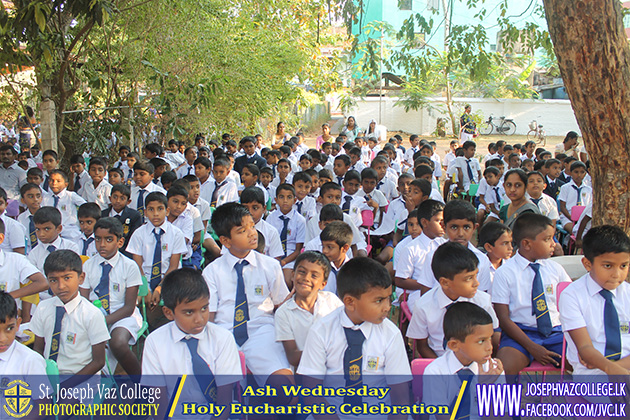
x=88 y=215
x=304 y=204
x=32 y=198
x=67 y=202
x=188 y=167
x=574 y=193
x=97 y=189
x=254 y=200
x=468 y=169
x=14 y=232
x=224 y=191
x=336 y=240
x=80 y=176
x=496 y=239
x=384 y=185
x=114 y=279
x=143 y=179
x=351 y=202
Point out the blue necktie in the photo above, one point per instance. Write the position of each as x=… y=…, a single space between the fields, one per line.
x=578 y=190
x=86 y=244
x=536 y=200
x=32 y=236
x=299 y=205
x=156 y=268
x=55 y=201
x=284 y=232
x=611 y=327
x=340 y=180
x=155 y=181
x=201 y=370
x=353 y=363
x=471 y=177
x=498 y=196
x=50 y=249
x=130 y=174
x=77 y=184
x=539 y=303
x=55 y=342
x=190 y=168
x=346 y=205
x=215 y=193
x=140 y=203
x=273 y=169
x=380 y=183
x=46 y=181
x=102 y=290
x=463 y=411
x=241 y=309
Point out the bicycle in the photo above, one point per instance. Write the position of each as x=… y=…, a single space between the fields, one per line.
x=507 y=127
x=536 y=133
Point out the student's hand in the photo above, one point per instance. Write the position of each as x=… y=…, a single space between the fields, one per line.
x=155 y=297
x=496 y=368
x=409 y=204
x=372 y=204
x=585 y=364
x=544 y=356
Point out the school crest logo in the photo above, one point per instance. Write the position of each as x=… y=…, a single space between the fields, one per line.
x=126 y=228
x=541 y=306
x=624 y=328
x=156 y=271
x=258 y=290
x=355 y=372
x=372 y=363
x=54 y=345
x=17 y=398
x=239 y=316
x=105 y=303
x=549 y=289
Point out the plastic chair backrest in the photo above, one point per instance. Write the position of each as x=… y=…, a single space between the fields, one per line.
x=576 y=212
x=417 y=370
x=572 y=264
x=368 y=218
x=560 y=288
x=143 y=289
x=472 y=189
x=241 y=356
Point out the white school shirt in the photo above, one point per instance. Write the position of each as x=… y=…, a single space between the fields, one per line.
x=409 y=154
x=69 y=202
x=313 y=231
x=581 y=306
x=15 y=269
x=309 y=207
x=331 y=283
x=206 y=188
x=14 y=234
x=296 y=229
x=99 y=195
x=413 y=259
x=234 y=177
x=83 y=326
x=91 y=249
x=167 y=354
x=142 y=243
x=397 y=213
x=547 y=206
x=359 y=166
x=18 y=359
x=228 y=192
x=513 y=287
x=474 y=166
x=196 y=217
x=428 y=316
x=84 y=178
x=183 y=171
x=437 y=172
x=38 y=255
x=264 y=287
x=185 y=223
x=448 y=159
x=293 y=322
x=273 y=245
x=135 y=192
x=384 y=356
x=357 y=204
x=174 y=159
x=388 y=188
x=11 y=179
x=24 y=219
x=588 y=211
x=123 y=275
x=377 y=196
x=441 y=385
x=568 y=194
x=315 y=244
x=204 y=209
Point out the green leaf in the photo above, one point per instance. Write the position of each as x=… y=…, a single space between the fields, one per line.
x=40 y=18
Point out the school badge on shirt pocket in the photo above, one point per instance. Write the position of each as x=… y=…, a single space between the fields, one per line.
x=258 y=290
x=372 y=363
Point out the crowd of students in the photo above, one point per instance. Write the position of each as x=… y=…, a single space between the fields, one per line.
x=300 y=252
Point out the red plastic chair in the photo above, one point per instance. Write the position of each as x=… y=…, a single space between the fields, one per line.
x=576 y=213
x=417 y=370
x=405 y=316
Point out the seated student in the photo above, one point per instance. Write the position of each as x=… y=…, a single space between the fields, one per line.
x=398 y=209
x=355 y=160
x=49 y=162
x=574 y=193
x=96 y=189
x=115 y=279
x=160 y=166
x=384 y=185
x=360 y=330
x=565 y=175
x=489 y=194
x=456 y=268
x=304 y=204
x=132 y=159
x=371 y=197
x=188 y=167
x=330 y=193
x=203 y=170
x=167 y=179
x=516 y=192
x=266 y=177
x=15 y=358
x=65 y=201
x=425 y=172
x=250 y=177
x=325 y=176
x=223 y=190
x=35 y=176
x=535 y=188
x=88 y=215
x=80 y=176
x=19 y=277
x=524 y=297
x=468 y=329
x=351 y=202
x=242 y=277
x=172 y=155
x=115 y=176
x=496 y=239
x=48 y=226
x=32 y=198
x=14 y=232
x=142 y=176
x=152 y=151
x=336 y=241
x=254 y=200
x=594 y=308
x=119 y=209
x=306 y=162
x=176 y=214
x=156 y=247
x=68 y=329
x=121 y=163
x=310 y=302
x=459 y=222
x=290 y=225
x=194 y=198
x=340 y=167
x=190 y=344
x=552 y=168
x=328 y=214
x=468 y=169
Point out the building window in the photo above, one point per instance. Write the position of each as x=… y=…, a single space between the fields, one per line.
x=405 y=4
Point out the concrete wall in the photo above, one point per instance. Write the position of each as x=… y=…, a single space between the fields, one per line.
x=556 y=116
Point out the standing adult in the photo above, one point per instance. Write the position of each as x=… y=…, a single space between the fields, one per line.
x=324 y=137
x=351 y=129
x=467 y=124
x=12 y=177
x=568 y=145
x=375 y=130
x=279 y=137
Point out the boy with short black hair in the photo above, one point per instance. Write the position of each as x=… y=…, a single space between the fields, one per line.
x=574 y=193
x=88 y=214
x=525 y=300
x=68 y=328
x=119 y=208
x=188 y=167
x=177 y=201
x=81 y=176
x=336 y=240
x=468 y=169
x=114 y=279
x=143 y=177
x=116 y=176
x=223 y=190
x=13 y=231
x=384 y=185
x=35 y=176
x=194 y=198
x=594 y=308
x=254 y=200
x=49 y=162
x=97 y=189
x=496 y=239
x=310 y=302
x=160 y=166
x=373 y=199
x=553 y=167
x=32 y=198
x=456 y=268
x=351 y=202
x=358 y=341
x=304 y=204
x=203 y=170
x=66 y=201
x=340 y=167
x=535 y=189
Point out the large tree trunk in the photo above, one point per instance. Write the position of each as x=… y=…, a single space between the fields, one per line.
x=594 y=59
x=48 y=119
